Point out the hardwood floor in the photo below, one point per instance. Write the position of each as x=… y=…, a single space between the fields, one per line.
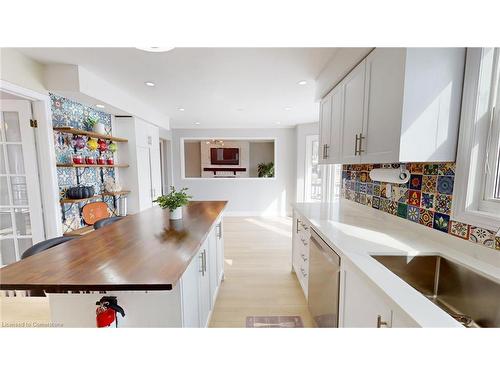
x=258 y=278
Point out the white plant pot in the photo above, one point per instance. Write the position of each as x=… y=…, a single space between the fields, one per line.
x=100 y=128
x=176 y=214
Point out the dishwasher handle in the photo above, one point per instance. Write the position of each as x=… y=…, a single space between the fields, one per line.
x=322 y=246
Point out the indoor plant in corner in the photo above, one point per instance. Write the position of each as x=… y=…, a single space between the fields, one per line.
x=266 y=169
x=174 y=201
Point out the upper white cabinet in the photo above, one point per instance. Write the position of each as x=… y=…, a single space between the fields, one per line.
x=398 y=104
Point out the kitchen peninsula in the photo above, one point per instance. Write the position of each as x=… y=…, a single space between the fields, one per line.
x=164 y=273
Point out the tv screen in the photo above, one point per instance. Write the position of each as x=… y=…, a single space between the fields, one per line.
x=225 y=156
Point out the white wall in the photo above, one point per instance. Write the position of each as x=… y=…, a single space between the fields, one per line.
x=337 y=68
x=302 y=131
x=252 y=197
x=21 y=70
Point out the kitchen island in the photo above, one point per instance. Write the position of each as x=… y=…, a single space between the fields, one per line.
x=164 y=273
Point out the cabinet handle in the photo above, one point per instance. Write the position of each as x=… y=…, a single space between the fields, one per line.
x=304 y=258
x=204 y=261
x=360 y=150
x=219 y=231
x=202 y=270
x=297 y=226
x=303 y=272
x=380 y=322
x=327 y=151
x=304 y=241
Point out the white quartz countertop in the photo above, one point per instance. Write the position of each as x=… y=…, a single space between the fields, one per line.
x=358 y=231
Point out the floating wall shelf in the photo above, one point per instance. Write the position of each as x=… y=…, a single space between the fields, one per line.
x=72 y=165
x=97 y=196
x=89 y=134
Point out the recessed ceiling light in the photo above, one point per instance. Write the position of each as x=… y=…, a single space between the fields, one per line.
x=302 y=83
x=155 y=49
x=197 y=123
x=239 y=109
x=278 y=123
x=287 y=108
x=180 y=109
x=149 y=84
x=99 y=106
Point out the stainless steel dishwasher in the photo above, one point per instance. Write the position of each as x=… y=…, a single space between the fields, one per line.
x=324 y=282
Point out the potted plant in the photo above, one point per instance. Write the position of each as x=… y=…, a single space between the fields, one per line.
x=266 y=169
x=174 y=201
x=92 y=123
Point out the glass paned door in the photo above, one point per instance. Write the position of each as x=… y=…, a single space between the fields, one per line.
x=313 y=188
x=21 y=221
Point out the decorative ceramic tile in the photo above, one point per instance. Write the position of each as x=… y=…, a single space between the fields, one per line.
x=459 y=229
x=446 y=169
x=429 y=184
x=384 y=204
x=414 y=197
x=497 y=243
x=426 y=217
x=357 y=197
x=415 y=181
x=369 y=200
x=399 y=194
x=445 y=184
x=402 y=210
x=413 y=213
x=417 y=168
x=362 y=198
x=369 y=189
x=442 y=203
x=427 y=201
x=393 y=208
x=482 y=236
x=441 y=222
x=431 y=169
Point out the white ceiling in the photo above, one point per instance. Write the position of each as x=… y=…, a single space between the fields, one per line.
x=218 y=87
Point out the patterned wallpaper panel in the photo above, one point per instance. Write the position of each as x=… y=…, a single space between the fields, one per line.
x=426 y=199
x=68 y=113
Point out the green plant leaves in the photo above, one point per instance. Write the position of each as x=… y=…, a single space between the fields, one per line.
x=174 y=199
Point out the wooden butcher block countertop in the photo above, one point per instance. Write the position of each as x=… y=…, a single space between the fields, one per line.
x=145 y=251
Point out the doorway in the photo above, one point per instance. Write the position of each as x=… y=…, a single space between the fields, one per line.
x=21 y=219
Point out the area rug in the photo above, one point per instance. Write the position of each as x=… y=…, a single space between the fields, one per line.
x=274 y=322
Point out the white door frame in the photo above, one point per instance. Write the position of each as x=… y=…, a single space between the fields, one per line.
x=46 y=156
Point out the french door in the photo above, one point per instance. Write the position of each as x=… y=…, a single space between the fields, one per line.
x=21 y=220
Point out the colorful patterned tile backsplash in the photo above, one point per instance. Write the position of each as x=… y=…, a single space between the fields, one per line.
x=66 y=112
x=426 y=199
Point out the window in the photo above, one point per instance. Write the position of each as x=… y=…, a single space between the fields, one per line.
x=477 y=181
x=314 y=171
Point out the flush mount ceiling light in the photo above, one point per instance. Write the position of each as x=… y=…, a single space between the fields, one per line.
x=155 y=49
x=180 y=109
x=302 y=83
x=287 y=108
x=99 y=106
x=239 y=109
x=278 y=123
x=197 y=123
x=150 y=84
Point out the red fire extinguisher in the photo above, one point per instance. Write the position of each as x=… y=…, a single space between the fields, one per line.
x=106 y=312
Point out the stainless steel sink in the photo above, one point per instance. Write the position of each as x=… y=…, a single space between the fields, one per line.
x=470 y=298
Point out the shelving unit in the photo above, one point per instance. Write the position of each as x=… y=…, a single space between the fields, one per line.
x=74 y=131
x=67 y=203
x=73 y=165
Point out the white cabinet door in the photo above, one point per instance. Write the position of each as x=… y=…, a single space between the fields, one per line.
x=336 y=124
x=324 y=128
x=384 y=91
x=212 y=265
x=363 y=305
x=219 y=240
x=204 y=286
x=354 y=89
x=190 y=284
x=153 y=141
x=144 y=177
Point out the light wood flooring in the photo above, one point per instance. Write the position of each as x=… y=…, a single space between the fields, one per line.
x=258 y=278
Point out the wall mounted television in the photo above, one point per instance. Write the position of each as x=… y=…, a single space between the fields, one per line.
x=224 y=156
